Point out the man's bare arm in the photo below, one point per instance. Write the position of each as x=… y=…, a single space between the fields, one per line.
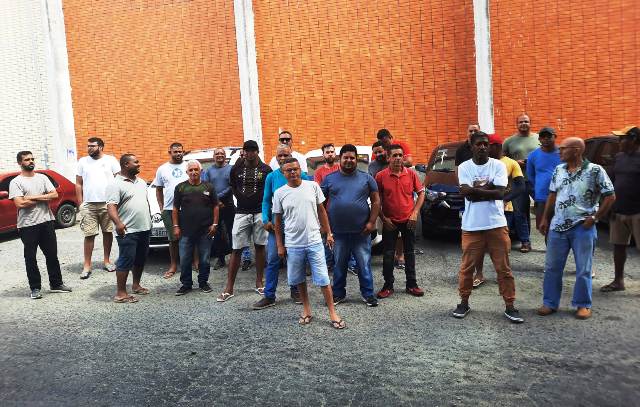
x=160 y=197
x=79 y=195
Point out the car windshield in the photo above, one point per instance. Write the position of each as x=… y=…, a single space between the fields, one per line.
x=443 y=160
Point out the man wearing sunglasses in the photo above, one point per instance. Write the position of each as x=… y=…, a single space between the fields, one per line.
x=285 y=137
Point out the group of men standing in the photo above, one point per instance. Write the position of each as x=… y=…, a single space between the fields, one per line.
x=326 y=223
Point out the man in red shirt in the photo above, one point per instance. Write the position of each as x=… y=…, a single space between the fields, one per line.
x=386 y=138
x=396 y=185
x=330 y=165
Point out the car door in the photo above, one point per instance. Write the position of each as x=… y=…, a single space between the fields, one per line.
x=8 y=212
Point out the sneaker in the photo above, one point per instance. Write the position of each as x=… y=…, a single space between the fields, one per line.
x=513 y=315
x=219 y=264
x=264 y=303
x=183 y=290
x=415 y=291
x=206 y=288
x=461 y=311
x=385 y=292
x=246 y=265
x=338 y=300
x=35 y=294
x=295 y=296
x=60 y=289
x=371 y=301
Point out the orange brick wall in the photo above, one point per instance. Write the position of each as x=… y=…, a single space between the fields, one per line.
x=338 y=70
x=572 y=65
x=145 y=73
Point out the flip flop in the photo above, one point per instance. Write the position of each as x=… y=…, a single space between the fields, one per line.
x=611 y=288
x=168 y=274
x=477 y=283
x=259 y=291
x=305 y=319
x=142 y=291
x=110 y=267
x=85 y=275
x=224 y=297
x=338 y=324
x=125 y=300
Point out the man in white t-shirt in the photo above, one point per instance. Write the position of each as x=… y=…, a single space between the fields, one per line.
x=95 y=172
x=484 y=227
x=285 y=137
x=168 y=176
x=298 y=211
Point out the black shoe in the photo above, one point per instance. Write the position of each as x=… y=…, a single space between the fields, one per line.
x=246 y=265
x=35 y=294
x=295 y=296
x=461 y=311
x=206 y=288
x=371 y=301
x=184 y=290
x=338 y=300
x=513 y=315
x=264 y=303
x=60 y=289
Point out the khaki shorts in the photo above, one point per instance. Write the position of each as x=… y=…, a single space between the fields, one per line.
x=168 y=224
x=93 y=217
x=247 y=228
x=622 y=227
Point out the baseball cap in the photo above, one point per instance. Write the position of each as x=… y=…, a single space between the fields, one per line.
x=495 y=139
x=250 y=145
x=626 y=130
x=547 y=130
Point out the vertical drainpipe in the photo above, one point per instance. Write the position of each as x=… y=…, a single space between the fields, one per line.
x=484 y=80
x=248 y=72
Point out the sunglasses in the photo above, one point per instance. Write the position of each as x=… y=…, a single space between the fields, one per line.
x=285 y=140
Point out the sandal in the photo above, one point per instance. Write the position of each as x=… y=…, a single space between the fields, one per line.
x=126 y=300
x=338 y=324
x=85 y=274
x=477 y=283
x=224 y=297
x=110 y=267
x=168 y=274
x=142 y=291
x=610 y=288
x=259 y=291
x=305 y=319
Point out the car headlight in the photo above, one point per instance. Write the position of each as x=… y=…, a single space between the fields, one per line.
x=431 y=195
x=156 y=218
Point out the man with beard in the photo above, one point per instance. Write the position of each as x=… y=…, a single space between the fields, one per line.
x=352 y=221
x=380 y=162
x=95 y=172
x=298 y=211
x=168 y=176
x=219 y=175
x=31 y=193
x=484 y=227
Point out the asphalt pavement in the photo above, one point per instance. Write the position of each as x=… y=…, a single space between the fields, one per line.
x=83 y=349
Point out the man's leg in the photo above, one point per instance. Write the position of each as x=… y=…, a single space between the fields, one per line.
x=260 y=239
x=234 y=265
x=204 y=265
x=399 y=253
x=49 y=246
x=408 y=244
x=29 y=236
x=186 y=245
x=260 y=260
x=499 y=246
x=320 y=277
x=272 y=268
x=557 y=251
x=89 y=242
x=174 y=247
x=107 y=244
x=361 y=250
x=241 y=234
x=389 y=239
x=304 y=297
x=121 y=284
x=341 y=252
x=582 y=244
x=473 y=247
x=106 y=225
x=142 y=250
x=619 y=259
x=521 y=209
x=124 y=263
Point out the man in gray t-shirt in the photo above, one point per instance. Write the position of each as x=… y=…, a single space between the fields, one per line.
x=31 y=193
x=128 y=208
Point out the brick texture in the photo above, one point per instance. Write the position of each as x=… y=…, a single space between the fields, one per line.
x=338 y=70
x=145 y=73
x=571 y=65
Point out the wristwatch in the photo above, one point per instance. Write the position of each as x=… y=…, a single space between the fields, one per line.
x=595 y=220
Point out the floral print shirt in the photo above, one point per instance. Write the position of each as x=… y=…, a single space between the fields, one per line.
x=577 y=194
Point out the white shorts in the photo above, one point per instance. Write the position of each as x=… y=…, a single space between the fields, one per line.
x=247 y=228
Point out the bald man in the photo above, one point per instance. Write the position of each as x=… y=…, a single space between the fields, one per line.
x=574 y=195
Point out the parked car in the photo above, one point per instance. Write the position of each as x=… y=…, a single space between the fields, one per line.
x=602 y=150
x=158 y=231
x=443 y=204
x=63 y=208
x=315 y=160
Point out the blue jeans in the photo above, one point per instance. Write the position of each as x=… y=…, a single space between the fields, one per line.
x=272 y=269
x=186 y=246
x=360 y=246
x=582 y=242
x=518 y=224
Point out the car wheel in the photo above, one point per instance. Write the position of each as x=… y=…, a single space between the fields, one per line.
x=66 y=215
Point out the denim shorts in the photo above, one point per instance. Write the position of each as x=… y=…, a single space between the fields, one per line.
x=133 y=248
x=299 y=257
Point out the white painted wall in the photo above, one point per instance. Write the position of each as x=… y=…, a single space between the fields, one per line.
x=35 y=95
x=484 y=79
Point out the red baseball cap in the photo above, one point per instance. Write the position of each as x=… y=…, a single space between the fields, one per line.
x=495 y=139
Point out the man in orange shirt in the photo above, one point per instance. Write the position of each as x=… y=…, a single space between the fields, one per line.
x=396 y=185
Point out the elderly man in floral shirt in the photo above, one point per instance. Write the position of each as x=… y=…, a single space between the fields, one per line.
x=574 y=195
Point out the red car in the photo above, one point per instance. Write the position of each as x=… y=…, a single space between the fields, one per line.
x=63 y=208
